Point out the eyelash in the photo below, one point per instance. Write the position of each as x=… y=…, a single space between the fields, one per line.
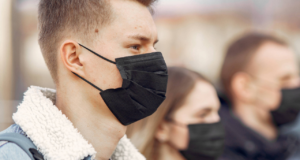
x=202 y=115
x=135 y=47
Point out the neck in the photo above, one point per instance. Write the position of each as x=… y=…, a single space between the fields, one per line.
x=96 y=123
x=257 y=119
x=166 y=151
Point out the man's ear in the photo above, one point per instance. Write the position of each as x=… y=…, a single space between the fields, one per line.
x=70 y=52
x=163 y=131
x=242 y=88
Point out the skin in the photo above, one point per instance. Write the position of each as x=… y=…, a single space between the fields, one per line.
x=131 y=32
x=200 y=106
x=258 y=91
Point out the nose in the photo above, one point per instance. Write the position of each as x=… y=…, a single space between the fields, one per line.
x=298 y=82
x=213 y=118
x=294 y=83
x=151 y=49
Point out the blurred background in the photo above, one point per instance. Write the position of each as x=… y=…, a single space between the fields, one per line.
x=192 y=33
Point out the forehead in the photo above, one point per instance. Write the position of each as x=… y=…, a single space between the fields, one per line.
x=130 y=17
x=274 y=59
x=202 y=96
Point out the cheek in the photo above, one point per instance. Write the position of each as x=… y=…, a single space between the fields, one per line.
x=270 y=99
x=179 y=137
x=113 y=78
x=276 y=100
x=104 y=74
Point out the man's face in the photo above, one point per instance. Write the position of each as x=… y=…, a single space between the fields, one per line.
x=274 y=68
x=131 y=32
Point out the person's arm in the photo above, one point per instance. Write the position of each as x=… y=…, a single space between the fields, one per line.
x=11 y=151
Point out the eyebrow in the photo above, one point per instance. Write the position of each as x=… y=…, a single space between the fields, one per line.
x=141 y=38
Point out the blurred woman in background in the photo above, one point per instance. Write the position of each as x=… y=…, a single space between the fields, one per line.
x=186 y=126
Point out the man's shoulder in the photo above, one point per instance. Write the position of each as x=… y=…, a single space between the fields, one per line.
x=11 y=151
x=13 y=129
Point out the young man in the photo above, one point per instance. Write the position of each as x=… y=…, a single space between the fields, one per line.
x=261 y=79
x=91 y=46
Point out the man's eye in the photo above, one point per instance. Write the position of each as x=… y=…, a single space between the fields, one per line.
x=203 y=115
x=136 y=47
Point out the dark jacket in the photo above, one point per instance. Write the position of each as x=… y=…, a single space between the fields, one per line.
x=243 y=143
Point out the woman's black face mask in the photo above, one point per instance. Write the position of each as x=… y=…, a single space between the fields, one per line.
x=289 y=107
x=206 y=141
x=144 y=86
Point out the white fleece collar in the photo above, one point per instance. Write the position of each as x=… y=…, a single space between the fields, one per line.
x=54 y=134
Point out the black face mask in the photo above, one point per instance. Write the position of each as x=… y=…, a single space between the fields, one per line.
x=144 y=86
x=206 y=141
x=289 y=107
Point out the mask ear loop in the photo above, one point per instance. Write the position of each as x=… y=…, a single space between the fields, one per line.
x=88 y=82
x=97 y=54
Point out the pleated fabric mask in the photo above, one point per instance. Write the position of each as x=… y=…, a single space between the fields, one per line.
x=206 y=141
x=145 y=78
x=289 y=108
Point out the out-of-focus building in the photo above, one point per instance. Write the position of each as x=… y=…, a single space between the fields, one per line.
x=195 y=33
x=192 y=33
x=6 y=64
x=21 y=61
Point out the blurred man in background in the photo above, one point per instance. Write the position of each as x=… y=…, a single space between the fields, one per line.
x=260 y=77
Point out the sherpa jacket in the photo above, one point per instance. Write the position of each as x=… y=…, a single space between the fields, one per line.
x=53 y=134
